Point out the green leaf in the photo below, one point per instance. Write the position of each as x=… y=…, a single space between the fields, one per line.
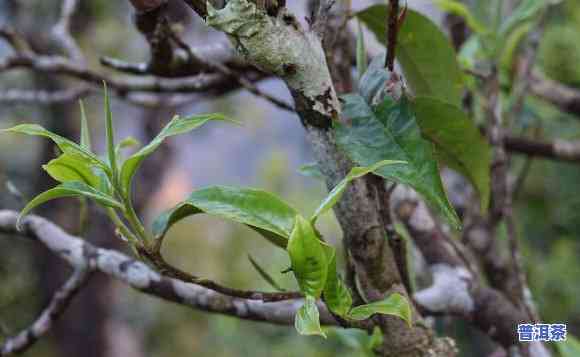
x=459 y=9
x=308 y=258
x=85 y=132
x=311 y=170
x=70 y=189
x=570 y=347
x=177 y=125
x=372 y=84
x=336 y=295
x=396 y=305
x=69 y=168
x=264 y=274
x=360 y=340
x=425 y=54
x=390 y=131
x=110 y=133
x=260 y=210
x=65 y=145
x=457 y=140
x=307 y=320
x=337 y=192
x=361 y=52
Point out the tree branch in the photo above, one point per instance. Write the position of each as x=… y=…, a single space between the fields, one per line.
x=567 y=99
x=57 y=306
x=80 y=254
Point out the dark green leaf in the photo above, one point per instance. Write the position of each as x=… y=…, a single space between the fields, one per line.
x=260 y=210
x=307 y=321
x=336 y=295
x=264 y=274
x=334 y=196
x=425 y=54
x=390 y=131
x=457 y=140
x=65 y=145
x=85 y=132
x=308 y=258
x=71 y=189
x=69 y=168
x=177 y=125
x=396 y=305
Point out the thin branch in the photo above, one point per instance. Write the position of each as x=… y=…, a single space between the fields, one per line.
x=567 y=99
x=393 y=30
x=15 y=40
x=79 y=253
x=61 y=32
x=16 y=96
x=55 y=309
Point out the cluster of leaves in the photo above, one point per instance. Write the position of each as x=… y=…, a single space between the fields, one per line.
x=108 y=181
x=423 y=130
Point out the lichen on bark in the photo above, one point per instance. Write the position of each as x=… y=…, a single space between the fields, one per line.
x=280 y=46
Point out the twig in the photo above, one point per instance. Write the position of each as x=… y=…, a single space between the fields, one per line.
x=393 y=30
x=15 y=96
x=567 y=99
x=57 y=306
x=219 y=67
x=61 y=32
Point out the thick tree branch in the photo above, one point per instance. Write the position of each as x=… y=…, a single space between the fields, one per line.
x=567 y=99
x=80 y=254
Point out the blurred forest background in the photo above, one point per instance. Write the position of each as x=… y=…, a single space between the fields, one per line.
x=109 y=320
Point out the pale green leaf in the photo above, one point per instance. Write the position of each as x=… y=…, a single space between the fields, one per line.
x=85 y=132
x=308 y=258
x=110 y=136
x=307 y=320
x=65 y=145
x=69 y=168
x=311 y=170
x=177 y=125
x=70 y=189
x=396 y=305
x=336 y=294
x=334 y=196
x=260 y=210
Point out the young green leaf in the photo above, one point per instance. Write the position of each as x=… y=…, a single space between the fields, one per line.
x=110 y=136
x=390 y=131
x=264 y=274
x=85 y=132
x=396 y=305
x=260 y=210
x=177 y=125
x=525 y=11
x=457 y=140
x=69 y=168
x=126 y=143
x=308 y=258
x=425 y=54
x=373 y=82
x=336 y=295
x=307 y=320
x=337 y=192
x=70 y=189
x=361 y=52
x=65 y=145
